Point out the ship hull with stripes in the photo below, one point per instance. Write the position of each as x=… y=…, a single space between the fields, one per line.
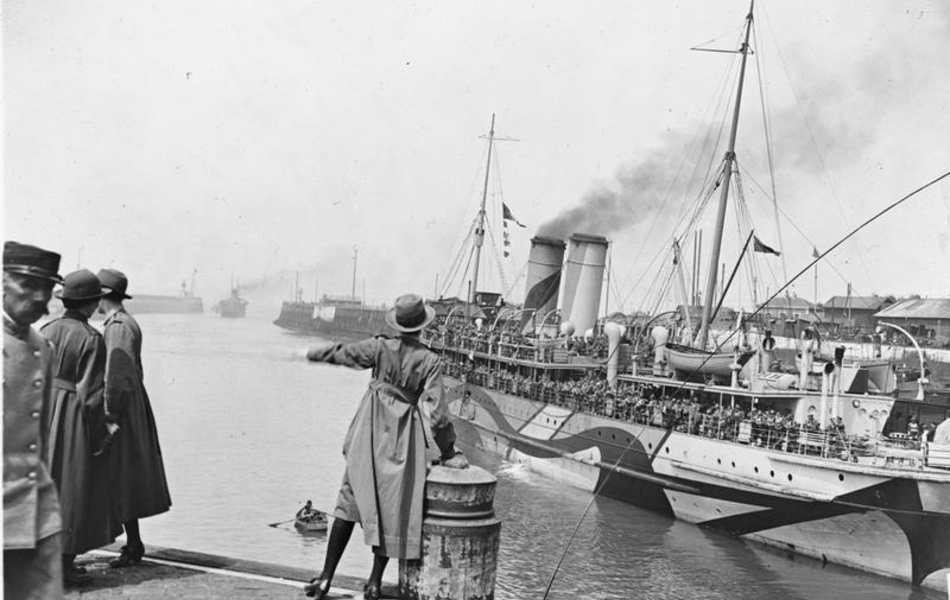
x=894 y=523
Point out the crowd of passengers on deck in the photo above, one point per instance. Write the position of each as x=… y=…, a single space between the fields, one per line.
x=508 y=343
x=648 y=405
x=763 y=425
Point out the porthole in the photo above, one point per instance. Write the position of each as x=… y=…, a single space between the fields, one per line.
x=771 y=473
x=733 y=464
x=667 y=449
x=840 y=476
x=789 y=476
x=756 y=469
x=650 y=446
x=613 y=436
x=719 y=461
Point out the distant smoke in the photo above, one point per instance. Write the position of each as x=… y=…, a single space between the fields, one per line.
x=831 y=123
x=638 y=191
x=836 y=116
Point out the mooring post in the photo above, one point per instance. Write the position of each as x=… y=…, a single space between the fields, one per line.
x=460 y=536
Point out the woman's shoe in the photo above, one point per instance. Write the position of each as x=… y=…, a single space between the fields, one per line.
x=372 y=592
x=317 y=588
x=129 y=557
x=73 y=577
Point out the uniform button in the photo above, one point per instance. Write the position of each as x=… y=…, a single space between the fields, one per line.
x=31 y=475
x=33 y=447
x=37 y=383
x=36 y=353
x=35 y=414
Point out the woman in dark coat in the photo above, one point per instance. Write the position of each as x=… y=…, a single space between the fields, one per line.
x=385 y=446
x=139 y=486
x=77 y=424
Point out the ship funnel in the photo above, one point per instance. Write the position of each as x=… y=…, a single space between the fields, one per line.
x=542 y=282
x=583 y=279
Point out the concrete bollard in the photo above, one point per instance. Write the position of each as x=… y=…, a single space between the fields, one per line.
x=460 y=536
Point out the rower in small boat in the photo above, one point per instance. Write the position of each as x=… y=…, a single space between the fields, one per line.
x=310 y=519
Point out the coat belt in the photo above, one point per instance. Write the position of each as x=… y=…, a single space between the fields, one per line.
x=397 y=393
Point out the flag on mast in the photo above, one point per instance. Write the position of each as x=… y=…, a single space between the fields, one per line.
x=507 y=216
x=758 y=246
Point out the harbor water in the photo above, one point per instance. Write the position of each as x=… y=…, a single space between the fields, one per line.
x=249 y=434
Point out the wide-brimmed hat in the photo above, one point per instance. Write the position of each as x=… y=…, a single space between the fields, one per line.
x=116 y=281
x=30 y=260
x=81 y=285
x=410 y=313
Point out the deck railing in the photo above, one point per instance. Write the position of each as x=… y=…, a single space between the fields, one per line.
x=795 y=438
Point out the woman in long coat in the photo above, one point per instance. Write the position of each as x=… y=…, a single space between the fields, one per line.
x=139 y=486
x=385 y=446
x=77 y=424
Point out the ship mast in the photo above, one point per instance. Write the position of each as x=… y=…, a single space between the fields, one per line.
x=730 y=158
x=353 y=290
x=480 y=224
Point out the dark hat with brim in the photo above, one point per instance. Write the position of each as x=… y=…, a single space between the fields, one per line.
x=81 y=285
x=410 y=314
x=32 y=261
x=116 y=281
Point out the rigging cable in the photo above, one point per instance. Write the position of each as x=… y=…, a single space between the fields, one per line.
x=767 y=126
x=804 y=270
x=821 y=160
x=459 y=260
x=693 y=176
x=788 y=219
x=816 y=259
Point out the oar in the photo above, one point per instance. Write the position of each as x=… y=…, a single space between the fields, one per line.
x=278 y=523
x=281 y=522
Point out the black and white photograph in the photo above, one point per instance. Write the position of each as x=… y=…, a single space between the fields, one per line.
x=444 y=300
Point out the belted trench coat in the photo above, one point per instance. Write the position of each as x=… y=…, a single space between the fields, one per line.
x=76 y=428
x=139 y=485
x=385 y=446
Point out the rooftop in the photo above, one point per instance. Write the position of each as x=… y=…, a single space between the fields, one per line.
x=858 y=302
x=792 y=303
x=917 y=308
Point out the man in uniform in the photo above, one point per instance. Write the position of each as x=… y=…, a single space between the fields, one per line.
x=31 y=522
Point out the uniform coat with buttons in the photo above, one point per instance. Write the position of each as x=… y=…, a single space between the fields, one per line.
x=30 y=506
x=138 y=473
x=76 y=425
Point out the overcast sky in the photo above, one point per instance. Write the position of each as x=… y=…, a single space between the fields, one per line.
x=265 y=138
